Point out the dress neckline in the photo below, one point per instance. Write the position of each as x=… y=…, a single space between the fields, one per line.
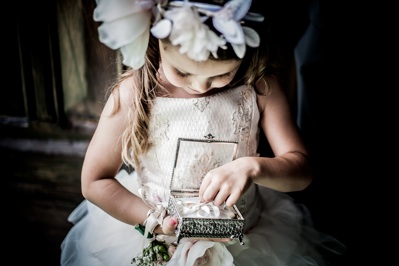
x=227 y=90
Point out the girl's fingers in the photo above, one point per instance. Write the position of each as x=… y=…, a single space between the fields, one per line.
x=169 y=225
x=204 y=186
x=210 y=193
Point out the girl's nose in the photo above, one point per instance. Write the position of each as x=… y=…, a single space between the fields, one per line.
x=201 y=85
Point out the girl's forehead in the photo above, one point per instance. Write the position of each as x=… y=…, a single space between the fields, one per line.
x=183 y=63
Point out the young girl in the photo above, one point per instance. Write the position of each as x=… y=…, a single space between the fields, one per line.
x=199 y=71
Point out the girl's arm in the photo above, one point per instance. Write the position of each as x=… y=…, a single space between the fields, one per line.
x=288 y=171
x=103 y=161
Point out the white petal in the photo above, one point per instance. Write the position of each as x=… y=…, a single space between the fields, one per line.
x=134 y=53
x=239 y=49
x=214 y=41
x=177 y=39
x=162 y=29
x=107 y=10
x=215 y=54
x=120 y=32
x=181 y=254
x=198 y=250
x=252 y=38
x=230 y=29
x=238 y=8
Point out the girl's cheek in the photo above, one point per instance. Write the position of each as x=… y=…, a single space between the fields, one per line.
x=221 y=83
x=176 y=81
x=173 y=78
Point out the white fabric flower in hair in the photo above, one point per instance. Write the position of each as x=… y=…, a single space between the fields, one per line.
x=227 y=21
x=185 y=28
x=125 y=25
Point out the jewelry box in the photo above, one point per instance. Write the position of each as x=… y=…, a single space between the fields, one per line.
x=193 y=159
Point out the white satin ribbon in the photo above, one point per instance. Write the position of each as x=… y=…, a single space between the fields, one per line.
x=194 y=209
x=155 y=215
x=154 y=218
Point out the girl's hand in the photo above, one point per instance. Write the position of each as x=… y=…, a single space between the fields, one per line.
x=169 y=225
x=225 y=184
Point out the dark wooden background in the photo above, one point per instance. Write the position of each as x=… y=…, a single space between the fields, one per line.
x=59 y=72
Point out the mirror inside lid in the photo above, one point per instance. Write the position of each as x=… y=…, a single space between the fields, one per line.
x=194 y=158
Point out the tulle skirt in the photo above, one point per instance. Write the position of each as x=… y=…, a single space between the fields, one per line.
x=283 y=235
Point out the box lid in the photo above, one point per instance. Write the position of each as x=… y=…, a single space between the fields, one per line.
x=194 y=158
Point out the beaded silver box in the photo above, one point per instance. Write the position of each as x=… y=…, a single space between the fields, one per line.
x=194 y=158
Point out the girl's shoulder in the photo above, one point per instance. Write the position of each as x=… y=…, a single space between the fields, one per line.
x=125 y=90
x=269 y=92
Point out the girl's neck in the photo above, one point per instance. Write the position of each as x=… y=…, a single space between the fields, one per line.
x=176 y=92
x=172 y=91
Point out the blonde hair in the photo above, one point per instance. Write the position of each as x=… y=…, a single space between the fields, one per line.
x=135 y=140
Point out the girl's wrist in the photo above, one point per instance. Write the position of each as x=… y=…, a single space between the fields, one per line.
x=154 y=219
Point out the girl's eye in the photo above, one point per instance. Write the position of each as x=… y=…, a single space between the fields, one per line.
x=184 y=75
x=225 y=75
x=180 y=74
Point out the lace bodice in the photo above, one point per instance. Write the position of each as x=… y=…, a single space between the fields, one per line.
x=231 y=115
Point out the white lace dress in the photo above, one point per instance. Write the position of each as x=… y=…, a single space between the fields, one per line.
x=276 y=231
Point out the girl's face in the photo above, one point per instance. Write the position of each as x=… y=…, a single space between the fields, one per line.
x=195 y=78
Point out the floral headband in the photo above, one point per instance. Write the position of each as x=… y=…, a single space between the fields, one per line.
x=126 y=25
